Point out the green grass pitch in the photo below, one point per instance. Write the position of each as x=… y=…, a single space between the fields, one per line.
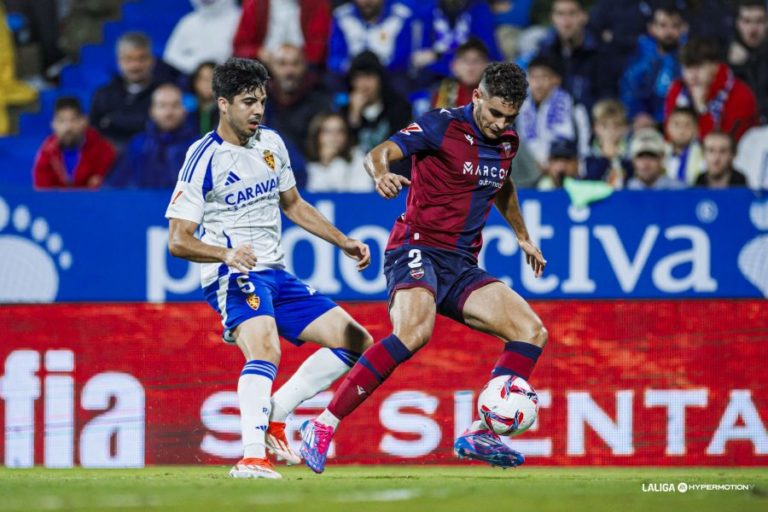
x=378 y=488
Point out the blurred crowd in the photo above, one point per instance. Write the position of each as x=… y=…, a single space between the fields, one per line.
x=657 y=94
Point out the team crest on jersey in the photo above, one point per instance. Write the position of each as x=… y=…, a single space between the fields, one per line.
x=269 y=158
x=411 y=128
x=253 y=301
x=507 y=147
x=417 y=273
x=470 y=139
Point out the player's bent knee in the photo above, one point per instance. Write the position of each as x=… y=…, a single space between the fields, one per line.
x=540 y=335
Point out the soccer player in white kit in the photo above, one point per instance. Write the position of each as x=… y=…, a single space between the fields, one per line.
x=231 y=189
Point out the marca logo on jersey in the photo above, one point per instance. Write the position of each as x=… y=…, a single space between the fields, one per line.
x=250 y=193
x=485 y=171
x=411 y=128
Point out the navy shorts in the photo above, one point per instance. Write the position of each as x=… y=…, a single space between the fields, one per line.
x=451 y=277
x=293 y=304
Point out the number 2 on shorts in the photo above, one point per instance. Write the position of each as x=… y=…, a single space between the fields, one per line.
x=415 y=255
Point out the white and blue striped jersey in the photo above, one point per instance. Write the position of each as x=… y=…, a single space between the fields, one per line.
x=233 y=193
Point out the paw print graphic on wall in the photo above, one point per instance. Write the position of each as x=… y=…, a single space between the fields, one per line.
x=32 y=256
x=753 y=258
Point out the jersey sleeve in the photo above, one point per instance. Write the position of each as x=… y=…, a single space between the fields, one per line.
x=286 y=179
x=424 y=134
x=195 y=181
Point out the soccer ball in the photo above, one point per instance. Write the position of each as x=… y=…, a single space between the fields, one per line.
x=508 y=405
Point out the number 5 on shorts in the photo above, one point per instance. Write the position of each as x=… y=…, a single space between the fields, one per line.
x=245 y=285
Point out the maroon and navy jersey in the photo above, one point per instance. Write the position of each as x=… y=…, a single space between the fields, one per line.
x=456 y=173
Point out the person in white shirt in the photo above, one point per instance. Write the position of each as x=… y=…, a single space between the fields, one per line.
x=547 y=113
x=647 y=152
x=334 y=164
x=231 y=190
x=205 y=34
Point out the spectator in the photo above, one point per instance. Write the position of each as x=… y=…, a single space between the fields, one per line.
x=374 y=110
x=510 y=19
x=43 y=20
x=547 y=112
x=618 y=24
x=120 y=109
x=752 y=157
x=75 y=156
x=12 y=91
x=467 y=68
x=587 y=71
x=453 y=22
x=645 y=83
x=203 y=35
x=748 y=52
x=719 y=153
x=205 y=117
x=684 y=159
x=607 y=160
x=563 y=162
x=267 y=25
x=709 y=19
x=722 y=101
x=153 y=158
x=383 y=27
x=294 y=98
x=334 y=165
x=647 y=151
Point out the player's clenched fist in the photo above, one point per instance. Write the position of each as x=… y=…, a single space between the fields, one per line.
x=390 y=185
x=242 y=258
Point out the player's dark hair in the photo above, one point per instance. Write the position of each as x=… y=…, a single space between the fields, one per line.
x=473 y=44
x=505 y=80
x=699 y=51
x=68 y=103
x=237 y=76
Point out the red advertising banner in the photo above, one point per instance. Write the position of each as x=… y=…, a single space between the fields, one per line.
x=621 y=382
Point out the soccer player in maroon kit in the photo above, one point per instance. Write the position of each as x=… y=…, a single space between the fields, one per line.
x=461 y=163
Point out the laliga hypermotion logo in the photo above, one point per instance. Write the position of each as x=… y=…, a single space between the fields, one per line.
x=32 y=256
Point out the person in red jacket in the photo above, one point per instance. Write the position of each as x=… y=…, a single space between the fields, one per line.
x=722 y=101
x=75 y=155
x=263 y=30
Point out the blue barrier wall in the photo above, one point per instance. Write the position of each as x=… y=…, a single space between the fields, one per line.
x=111 y=246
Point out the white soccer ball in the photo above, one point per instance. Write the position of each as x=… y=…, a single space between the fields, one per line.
x=508 y=405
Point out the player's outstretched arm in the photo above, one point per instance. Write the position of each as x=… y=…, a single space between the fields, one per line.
x=305 y=215
x=376 y=163
x=508 y=205
x=183 y=244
